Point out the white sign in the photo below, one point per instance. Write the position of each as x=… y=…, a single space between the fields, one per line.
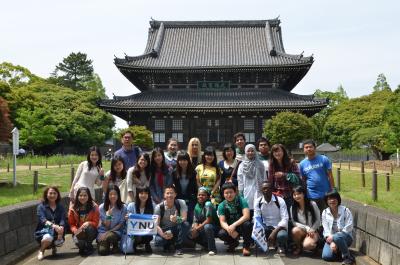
x=141 y=224
x=15 y=136
x=258 y=234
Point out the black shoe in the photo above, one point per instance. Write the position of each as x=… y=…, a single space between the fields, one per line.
x=232 y=247
x=148 y=248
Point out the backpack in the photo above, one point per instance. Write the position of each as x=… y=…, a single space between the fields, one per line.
x=162 y=209
x=276 y=202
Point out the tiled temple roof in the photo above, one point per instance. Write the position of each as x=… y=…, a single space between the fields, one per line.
x=211 y=100
x=213 y=44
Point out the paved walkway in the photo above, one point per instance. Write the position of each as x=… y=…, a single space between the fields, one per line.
x=68 y=255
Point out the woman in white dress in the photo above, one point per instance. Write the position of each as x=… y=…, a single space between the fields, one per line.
x=89 y=172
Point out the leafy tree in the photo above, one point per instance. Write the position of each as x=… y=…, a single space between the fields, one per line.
x=374 y=138
x=354 y=122
x=5 y=123
x=74 y=71
x=381 y=83
x=36 y=129
x=15 y=75
x=319 y=119
x=73 y=116
x=392 y=116
x=289 y=128
x=142 y=136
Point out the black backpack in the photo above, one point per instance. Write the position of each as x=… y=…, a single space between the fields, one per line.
x=177 y=207
x=276 y=202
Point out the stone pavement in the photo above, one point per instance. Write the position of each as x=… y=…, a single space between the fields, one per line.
x=68 y=255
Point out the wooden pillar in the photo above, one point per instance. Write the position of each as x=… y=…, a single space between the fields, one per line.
x=72 y=174
x=387 y=181
x=374 y=185
x=35 y=181
x=362 y=174
x=338 y=179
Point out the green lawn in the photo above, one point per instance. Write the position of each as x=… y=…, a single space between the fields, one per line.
x=41 y=160
x=351 y=188
x=60 y=177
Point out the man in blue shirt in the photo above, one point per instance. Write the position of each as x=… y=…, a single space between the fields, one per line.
x=316 y=172
x=128 y=151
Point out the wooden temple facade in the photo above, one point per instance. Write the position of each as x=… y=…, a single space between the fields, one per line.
x=211 y=79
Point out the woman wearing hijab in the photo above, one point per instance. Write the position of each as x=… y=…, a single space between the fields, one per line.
x=251 y=174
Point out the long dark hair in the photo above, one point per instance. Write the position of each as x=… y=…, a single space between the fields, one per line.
x=46 y=190
x=182 y=155
x=107 y=198
x=77 y=203
x=211 y=151
x=137 y=169
x=153 y=165
x=286 y=161
x=113 y=174
x=307 y=205
x=149 y=204
x=98 y=163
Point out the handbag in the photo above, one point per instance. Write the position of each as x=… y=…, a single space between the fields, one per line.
x=293 y=179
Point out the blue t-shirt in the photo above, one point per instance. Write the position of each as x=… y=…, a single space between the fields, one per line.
x=129 y=156
x=315 y=172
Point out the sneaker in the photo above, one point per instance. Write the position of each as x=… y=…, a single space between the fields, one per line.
x=281 y=251
x=59 y=242
x=40 y=255
x=179 y=251
x=211 y=253
x=348 y=261
x=148 y=248
x=246 y=252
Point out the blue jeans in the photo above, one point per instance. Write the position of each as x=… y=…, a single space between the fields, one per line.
x=281 y=237
x=343 y=241
x=206 y=237
x=179 y=231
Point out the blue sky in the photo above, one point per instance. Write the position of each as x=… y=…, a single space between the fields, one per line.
x=352 y=41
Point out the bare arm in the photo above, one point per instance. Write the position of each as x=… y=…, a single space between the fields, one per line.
x=245 y=217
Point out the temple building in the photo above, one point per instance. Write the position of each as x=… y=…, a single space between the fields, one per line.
x=211 y=79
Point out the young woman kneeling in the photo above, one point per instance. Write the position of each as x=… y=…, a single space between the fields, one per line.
x=112 y=217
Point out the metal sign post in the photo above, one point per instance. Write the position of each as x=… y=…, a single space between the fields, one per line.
x=15 y=136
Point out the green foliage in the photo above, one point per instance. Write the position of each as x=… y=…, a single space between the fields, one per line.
x=5 y=123
x=36 y=129
x=289 y=128
x=52 y=115
x=381 y=83
x=15 y=75
x=75 y=71
x=392 y=116
x=361 y=121
x=319 y=119
x=141 y=136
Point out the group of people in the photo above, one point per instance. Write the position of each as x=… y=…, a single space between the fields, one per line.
x=196 y=199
